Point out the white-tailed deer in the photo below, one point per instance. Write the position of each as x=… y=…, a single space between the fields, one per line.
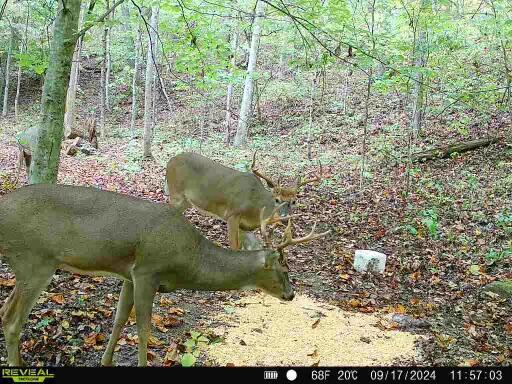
x=230 y=195
x=152 y=247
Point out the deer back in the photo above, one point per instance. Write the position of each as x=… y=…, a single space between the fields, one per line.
x=217 y=189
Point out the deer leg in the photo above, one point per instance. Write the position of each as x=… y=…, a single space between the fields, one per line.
x=28 y=288
x=144 y=293
x=7 y=303
x=28 y=160
x=124 y=307
x=234 y=231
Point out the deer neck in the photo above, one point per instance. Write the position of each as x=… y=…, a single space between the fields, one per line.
x=225 y=269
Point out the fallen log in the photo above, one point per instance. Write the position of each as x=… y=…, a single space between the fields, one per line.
x=447 y=151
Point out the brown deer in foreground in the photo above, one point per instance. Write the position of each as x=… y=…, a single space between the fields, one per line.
x=150 y=246
x=230 y=195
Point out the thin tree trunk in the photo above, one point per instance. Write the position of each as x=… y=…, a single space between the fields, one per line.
x=419 y=62
x=7 y=70
x=365 y=128
x=150 y=68
x=103 y=85
x=506 y=66
x=257 y=102
x=371 y=26
x=2 y=77
x=154 y=94
x=134 y=82
x=46 y=154
x=202 y=124
x=229 y=94
x=245 y=107
x=23 y=48
x=69 y=116
x=108 y=66
x=18 y=84
x=344 y=95
x=311 y=109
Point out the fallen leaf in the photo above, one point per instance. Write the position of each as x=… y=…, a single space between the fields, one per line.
x=93 y=338
x=474 y=269
x=344 y=276
x=354 y=303
x=154 y=342
x=176 y=311
x=171 y=355
x=470 y=363
x=7 y=282
x=57 y=298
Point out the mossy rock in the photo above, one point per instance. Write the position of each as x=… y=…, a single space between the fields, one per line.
x=501 y=287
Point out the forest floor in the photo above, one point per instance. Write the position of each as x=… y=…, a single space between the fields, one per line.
x=446 y=230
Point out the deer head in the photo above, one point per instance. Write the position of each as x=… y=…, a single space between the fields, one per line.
x=286 y=197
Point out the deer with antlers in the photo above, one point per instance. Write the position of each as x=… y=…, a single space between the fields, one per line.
x=235 y=197
x=149 y=246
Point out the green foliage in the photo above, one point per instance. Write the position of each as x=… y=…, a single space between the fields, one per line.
x=505 y=221
x=494 y=256
x=430 y=220
x=193 y=347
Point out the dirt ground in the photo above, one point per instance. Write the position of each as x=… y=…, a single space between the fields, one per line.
x=263 y=331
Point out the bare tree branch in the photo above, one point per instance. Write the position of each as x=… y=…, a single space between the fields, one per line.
x=99 y=19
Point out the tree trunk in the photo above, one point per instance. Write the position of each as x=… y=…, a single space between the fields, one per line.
x=7 y=70
x=18 y=84
x=148 y=97
x=447 y=151
x=2 y=77
x=69 y=116
x=108 y=65
x=245 y=107
x=235 y=33
x=311 y=109
x=23 y=48
x=46 y=154
x=419 y=62
x=103 y=85
x=134 y=82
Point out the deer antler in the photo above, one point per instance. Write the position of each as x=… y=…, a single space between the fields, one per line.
x=272 y=219
x=288 y=240
x=318 y=177
x=270 y=183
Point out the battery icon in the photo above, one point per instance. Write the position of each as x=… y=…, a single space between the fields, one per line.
x=270 y=375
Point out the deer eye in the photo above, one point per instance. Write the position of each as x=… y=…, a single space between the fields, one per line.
x=277 y=200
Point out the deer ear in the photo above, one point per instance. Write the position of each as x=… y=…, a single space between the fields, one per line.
x=270 y=260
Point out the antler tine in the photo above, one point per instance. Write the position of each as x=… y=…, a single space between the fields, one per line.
x=270 y=183
x=318 y=177
x=269 y=220
x=288 y=240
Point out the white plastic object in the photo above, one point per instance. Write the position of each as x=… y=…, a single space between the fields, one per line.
x=371 y=261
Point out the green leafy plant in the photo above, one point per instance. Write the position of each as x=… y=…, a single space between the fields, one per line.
x=193 y=347
x=494 y=256
x=430 y=220
x=505 y=222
